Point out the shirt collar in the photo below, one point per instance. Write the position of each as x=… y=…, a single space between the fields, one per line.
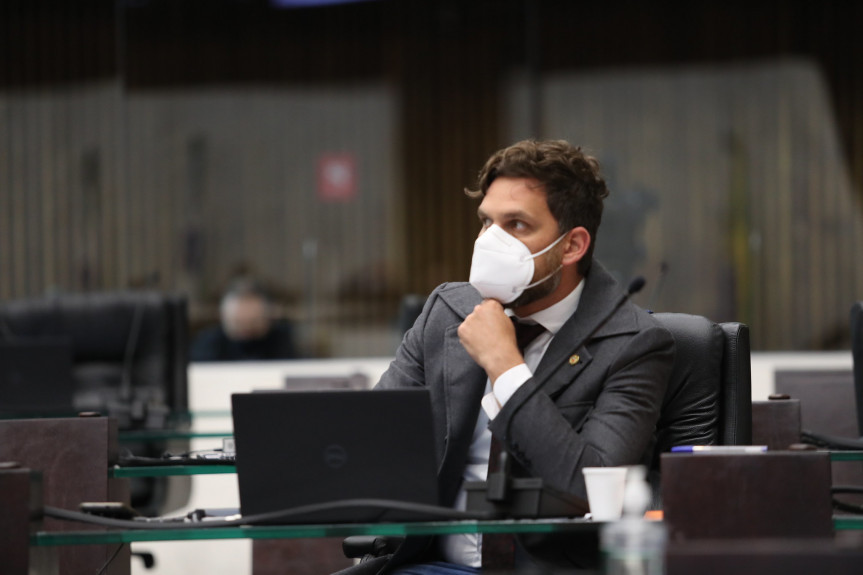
x=552 y=318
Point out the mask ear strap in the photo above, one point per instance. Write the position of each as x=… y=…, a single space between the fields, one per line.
x=537 y=282
x=548 y=247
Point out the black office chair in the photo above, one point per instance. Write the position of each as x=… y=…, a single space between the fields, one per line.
x=410 y=307
x=130 y=361
x=709 y=395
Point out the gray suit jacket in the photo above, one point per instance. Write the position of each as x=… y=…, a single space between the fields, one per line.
x=598 y=410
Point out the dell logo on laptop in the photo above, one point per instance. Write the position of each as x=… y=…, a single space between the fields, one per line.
x=335 y=456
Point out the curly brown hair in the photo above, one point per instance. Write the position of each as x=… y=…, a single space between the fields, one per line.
x=574 y=188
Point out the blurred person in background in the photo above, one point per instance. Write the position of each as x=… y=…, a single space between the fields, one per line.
x=249 y=330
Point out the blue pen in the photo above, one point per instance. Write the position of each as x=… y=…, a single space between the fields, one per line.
x=719 y=449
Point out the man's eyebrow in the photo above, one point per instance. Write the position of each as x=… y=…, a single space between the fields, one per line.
x=513 y=215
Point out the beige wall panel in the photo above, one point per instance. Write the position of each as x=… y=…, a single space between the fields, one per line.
x=755 y=214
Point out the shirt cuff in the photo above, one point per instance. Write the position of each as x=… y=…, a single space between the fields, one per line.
x=504 y=387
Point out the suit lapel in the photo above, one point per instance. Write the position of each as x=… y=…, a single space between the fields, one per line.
x=464 y=380
x=463 y=377
x=567 y=355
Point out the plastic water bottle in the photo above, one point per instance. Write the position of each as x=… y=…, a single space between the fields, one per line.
x=633 y=545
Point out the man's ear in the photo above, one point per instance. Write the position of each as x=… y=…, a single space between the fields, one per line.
x=575 y=245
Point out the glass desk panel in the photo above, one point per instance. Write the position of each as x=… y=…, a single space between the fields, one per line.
x=44 y=538
x=846 y=456
x=170 y=470
x=165 y=434
x=848 y=522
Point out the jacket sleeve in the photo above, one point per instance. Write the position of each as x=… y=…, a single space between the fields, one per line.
x=408 y=367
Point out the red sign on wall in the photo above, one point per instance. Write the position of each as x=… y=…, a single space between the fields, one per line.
x=337 y=177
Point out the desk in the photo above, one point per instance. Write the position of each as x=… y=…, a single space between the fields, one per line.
x=73 y=456
x=682 y=558
x=237 y=536
x=166 y=434
x=520 y=526
x=43 y=538
x=214 y=469
x=210 y=387
x=171 y=470
x=848 y=523
x=46 y=539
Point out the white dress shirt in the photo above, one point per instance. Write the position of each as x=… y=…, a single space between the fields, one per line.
x=466 y=549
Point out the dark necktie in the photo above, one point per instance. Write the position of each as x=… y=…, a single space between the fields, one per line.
x=498 y=549
x=525 y=333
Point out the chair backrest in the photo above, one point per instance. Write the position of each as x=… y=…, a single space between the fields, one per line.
x=709 y=397
x=857 y=355
x=410 y=307
x=130 y=361
x=136 y=340
x=736 y=406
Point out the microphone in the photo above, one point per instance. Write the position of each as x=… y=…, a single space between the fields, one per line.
x=126 y=408
x=634 y=287
x=126 y=387
x=663 y=271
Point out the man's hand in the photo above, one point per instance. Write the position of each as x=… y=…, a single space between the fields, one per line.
x=489 y=337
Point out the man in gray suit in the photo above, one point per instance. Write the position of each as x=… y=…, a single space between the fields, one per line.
x=585 y=392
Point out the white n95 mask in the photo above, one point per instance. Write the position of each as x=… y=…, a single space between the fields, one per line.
x=502 y=266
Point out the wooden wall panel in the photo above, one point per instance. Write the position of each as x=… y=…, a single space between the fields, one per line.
x=756 y=216
x=99 y=190
x=164 y=143
x=449 y=77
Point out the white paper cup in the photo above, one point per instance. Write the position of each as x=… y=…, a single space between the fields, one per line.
x=605 y=487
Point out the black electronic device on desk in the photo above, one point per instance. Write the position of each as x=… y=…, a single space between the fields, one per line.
x=506 y=496
x=36 y=377
x=527 y=498
x=335 y=456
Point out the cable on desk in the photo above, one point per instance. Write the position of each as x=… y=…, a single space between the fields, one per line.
x=831 y=441
x=274 y=517
x=837 y=444
x=128 y=459
x=842 y=505
x=111 y=559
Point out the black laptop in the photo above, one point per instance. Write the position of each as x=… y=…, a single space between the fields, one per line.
x=310 y=450
x=36 y=378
